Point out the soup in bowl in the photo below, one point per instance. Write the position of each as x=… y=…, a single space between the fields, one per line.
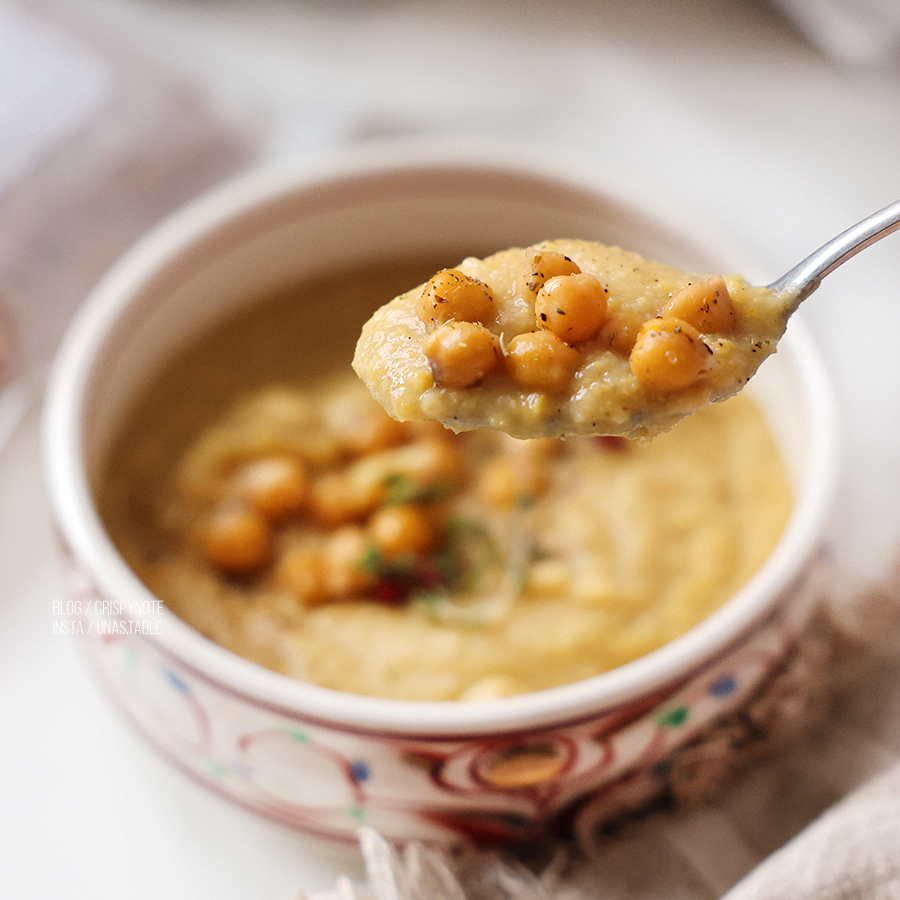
x=332 y=618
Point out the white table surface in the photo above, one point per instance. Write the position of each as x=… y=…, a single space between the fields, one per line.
x=721 y=104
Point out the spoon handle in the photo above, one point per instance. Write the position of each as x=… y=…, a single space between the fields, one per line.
x=805 y=277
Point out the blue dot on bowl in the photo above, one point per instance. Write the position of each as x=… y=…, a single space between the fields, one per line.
x=723 y=685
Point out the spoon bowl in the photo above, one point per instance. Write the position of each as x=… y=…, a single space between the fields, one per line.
x=629 y=352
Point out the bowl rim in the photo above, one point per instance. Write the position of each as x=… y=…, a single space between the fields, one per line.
x=85 y=538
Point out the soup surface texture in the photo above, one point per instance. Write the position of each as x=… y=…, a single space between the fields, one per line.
x=275 y=507
x=566 y=337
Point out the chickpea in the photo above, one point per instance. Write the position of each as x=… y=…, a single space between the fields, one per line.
x=519 y=471
x=541 y=361
x=573 y=307
x=620 y=329
x=375 y=430
x=358 y=426
x=507 y=480
x=542 y=265
x=343 y=559
x=302 y=571
x=275 y=486
x=237 y=540
x=429 y=462
x=498 y=484
x=461 y=353
x=400 y=529
x=345 y=495
x=452 y=295
x=706 y=305
x=669 y=355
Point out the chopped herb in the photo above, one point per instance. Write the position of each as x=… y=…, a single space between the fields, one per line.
x=456 y=565
x=372 y=561
x=398 y=579
x=403 y=489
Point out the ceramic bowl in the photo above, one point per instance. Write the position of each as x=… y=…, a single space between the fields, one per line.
x=326 y=762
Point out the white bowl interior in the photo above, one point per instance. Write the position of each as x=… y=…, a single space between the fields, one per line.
x=272 y=228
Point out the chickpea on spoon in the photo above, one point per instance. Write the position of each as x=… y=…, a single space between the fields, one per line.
x=575 y=337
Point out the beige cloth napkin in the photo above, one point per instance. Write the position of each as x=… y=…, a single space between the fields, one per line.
x=851 y=852
x=859 y=32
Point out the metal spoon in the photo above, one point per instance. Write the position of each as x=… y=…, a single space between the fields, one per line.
x=804 y=278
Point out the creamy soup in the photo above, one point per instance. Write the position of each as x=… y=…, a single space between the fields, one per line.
x=566 y=337
x=275 y=507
